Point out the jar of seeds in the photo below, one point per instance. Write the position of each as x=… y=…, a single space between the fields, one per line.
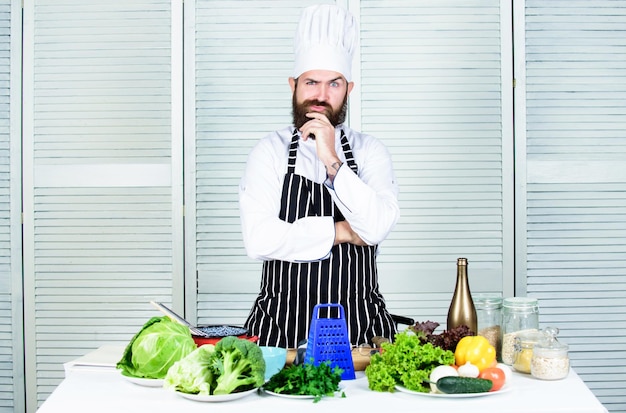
x=519 y=314
x=525 y=342
x=550 y=360
x=489 y=315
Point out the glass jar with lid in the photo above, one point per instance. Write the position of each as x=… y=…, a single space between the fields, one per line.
x=519 y=314
x=550 y=360
x=489 y=316
x=524 y=344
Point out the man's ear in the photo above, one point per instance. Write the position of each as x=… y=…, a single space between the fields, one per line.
x=292 y=84
x=350 y=86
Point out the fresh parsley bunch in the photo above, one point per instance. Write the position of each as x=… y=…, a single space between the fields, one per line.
x=306 y=379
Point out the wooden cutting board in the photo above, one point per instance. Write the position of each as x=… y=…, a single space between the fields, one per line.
x=360 y=361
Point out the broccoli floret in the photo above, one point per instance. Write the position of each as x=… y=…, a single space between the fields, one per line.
x=239 y=365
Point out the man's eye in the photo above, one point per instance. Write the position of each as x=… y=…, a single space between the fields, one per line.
x=334 y=84
x=311 y=83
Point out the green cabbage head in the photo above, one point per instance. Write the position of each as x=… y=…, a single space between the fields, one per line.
x=155 y=348
x=193 y=374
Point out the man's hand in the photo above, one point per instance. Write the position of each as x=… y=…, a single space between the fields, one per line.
x=344 y=233
x=324 y=132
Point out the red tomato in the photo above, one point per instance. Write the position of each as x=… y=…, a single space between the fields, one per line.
x=496 y=375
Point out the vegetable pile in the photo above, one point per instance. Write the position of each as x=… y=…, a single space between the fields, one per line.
x=232 y=365
x=407 y=362
x=306 y=379
x=416 y=363
x=155 y=348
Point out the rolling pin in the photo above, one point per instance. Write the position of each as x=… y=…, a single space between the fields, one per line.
x=360 y=361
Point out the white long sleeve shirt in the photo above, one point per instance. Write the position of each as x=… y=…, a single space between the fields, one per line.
x=369 y=201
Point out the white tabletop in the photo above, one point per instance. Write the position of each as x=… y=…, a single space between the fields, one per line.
x=101 y=388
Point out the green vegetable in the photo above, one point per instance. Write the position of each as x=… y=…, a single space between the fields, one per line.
x=193 y=374
x=455 y=385
x=306 y=379
x=230 y=366
x=238 y=365
x=155 y=348
x=407 y=362
x=439 y=372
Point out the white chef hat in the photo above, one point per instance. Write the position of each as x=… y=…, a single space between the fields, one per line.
x=325 y=40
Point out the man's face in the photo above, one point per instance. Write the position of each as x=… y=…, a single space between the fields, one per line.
x=320 y=91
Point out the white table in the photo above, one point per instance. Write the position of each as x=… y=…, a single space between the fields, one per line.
x=93 y=385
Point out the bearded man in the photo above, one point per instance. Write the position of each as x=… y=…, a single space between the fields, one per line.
x=317 y=198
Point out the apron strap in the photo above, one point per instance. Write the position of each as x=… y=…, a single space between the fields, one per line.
x=347 y=151
x=293 y=151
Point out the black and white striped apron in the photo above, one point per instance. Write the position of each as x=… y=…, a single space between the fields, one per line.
x=281 y=314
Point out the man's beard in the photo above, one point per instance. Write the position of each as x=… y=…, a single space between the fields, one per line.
x=299 y=111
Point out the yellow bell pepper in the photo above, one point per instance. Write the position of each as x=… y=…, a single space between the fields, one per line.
x=475 y=349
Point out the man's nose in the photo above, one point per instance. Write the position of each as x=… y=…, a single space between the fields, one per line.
x=322 y=93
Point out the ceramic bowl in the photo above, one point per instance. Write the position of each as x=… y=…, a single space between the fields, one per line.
x=275 y=359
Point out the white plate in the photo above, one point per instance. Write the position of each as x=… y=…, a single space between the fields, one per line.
x=504 y=389
x=144 y=382
x=215 y=398
x=296 y=396
x=290 y=396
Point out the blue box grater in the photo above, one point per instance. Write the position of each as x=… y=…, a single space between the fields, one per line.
x=329 y=341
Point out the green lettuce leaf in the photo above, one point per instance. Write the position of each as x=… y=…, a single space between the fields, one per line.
x=407 y=362
x=193 y=374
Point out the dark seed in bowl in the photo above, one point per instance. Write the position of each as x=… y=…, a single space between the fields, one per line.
x=223 y=331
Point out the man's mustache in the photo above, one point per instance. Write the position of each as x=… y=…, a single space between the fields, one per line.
x=316 y=103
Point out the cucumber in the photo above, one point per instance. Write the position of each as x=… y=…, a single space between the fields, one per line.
x=456 y=385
